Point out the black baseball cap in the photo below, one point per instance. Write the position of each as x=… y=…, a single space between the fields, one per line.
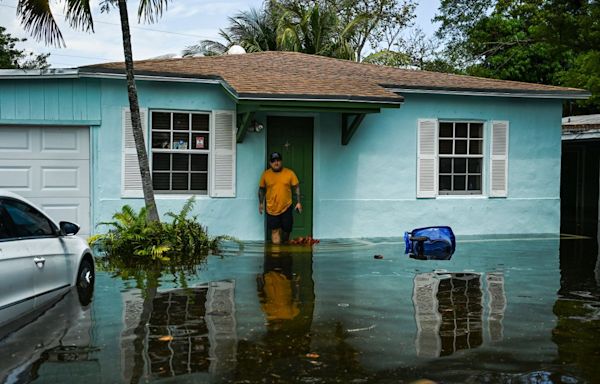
x=275 y=156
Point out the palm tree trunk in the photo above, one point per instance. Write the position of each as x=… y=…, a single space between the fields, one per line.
x=134 y=107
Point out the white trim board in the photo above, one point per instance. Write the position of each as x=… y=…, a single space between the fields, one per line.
x=579 y=96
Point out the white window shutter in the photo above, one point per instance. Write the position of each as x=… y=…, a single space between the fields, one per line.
x=499 y=159
x=131 y=180
x=223 y=146
x=427 y=176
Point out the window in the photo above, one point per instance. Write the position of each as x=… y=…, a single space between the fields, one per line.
x=180 y=151
x=4 y=229
x=28 y=221
x=460 y=156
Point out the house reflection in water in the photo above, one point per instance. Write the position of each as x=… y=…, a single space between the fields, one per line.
x=449 y=310
x=190 y=330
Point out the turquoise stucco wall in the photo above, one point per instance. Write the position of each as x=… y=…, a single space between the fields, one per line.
x=374 y=192
x=233 y=216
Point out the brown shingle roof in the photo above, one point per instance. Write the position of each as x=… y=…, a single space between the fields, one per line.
x=297 y=75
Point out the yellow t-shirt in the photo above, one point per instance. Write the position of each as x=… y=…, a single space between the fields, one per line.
x=279 y=189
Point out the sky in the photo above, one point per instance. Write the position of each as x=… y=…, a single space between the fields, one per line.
x=184 y=24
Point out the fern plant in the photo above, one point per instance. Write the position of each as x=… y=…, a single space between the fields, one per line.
x=132 y=237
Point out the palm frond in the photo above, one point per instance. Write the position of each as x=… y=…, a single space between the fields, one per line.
x=255 y=30
x=37 y=19
x=79 y=14
x=187 y=208
x=205 y=48
x=95 y=238
x=151 y=10
x=288 y=40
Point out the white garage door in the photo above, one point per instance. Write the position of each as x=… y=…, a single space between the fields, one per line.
x=50 y=167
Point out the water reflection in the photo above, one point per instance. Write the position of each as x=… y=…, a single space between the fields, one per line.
x=285 y=291
x=259 y=320
x=449 y=311
x=60 y=334
x=190 y=330
x=496 y=305
x=279 y=289
x=577 y=331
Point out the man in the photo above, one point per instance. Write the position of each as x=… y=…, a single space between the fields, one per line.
x=276 y=184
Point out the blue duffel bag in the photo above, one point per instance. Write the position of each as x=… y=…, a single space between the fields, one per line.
x=430 y=243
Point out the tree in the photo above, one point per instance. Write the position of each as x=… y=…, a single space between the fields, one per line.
x=37 y=18
x=315 y=30
x=389 y=58
x=457 y=18
x=415 y=51
x=337 y=28
x=255 y=30
x=284 y=27
x=13 y=58
x=382 y=20
x=553 y=42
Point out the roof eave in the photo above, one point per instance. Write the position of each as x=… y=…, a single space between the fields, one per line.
x=392 y=101
x=54 y=73
x=161 y=76
x=592 y=134
x=268 y=97
x=564 y=95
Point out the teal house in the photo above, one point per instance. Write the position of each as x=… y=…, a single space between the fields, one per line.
x=378 y=150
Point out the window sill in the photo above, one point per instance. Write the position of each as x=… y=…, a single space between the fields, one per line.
x=169 y=196
x=451 y=197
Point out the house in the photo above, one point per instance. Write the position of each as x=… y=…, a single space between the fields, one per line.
x=580 y=175
x=378 y=150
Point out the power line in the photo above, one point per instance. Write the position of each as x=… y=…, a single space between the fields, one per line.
x=133 y=27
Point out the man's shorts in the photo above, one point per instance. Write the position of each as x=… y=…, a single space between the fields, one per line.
x=285 y=221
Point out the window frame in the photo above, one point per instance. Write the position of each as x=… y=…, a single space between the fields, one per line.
x=11 y=224
x=189 y=172
x=466 y=192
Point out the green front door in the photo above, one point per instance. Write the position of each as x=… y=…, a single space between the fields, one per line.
x=293 y=138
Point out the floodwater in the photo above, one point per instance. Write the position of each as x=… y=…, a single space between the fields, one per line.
x=503 y=310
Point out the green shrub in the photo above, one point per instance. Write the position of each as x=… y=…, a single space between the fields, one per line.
x=134 y=239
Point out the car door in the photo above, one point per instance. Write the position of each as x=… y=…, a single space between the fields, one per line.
x=41 y=237
x=17 y=270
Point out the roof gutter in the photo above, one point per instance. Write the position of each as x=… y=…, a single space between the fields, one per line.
x=593 y=134
x=321 y=99
x=536 y=95
x=104 y=75
x=54 y=73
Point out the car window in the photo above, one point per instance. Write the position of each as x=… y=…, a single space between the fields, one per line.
x=4 y=231
x=27 y=221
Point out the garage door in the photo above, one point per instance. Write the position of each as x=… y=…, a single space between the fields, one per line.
x=50 y=167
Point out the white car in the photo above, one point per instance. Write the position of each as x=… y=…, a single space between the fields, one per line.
x=39 y=260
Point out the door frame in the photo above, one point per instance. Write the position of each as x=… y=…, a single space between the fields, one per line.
x=316 y=123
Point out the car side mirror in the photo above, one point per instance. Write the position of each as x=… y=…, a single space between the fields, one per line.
x=68 y=229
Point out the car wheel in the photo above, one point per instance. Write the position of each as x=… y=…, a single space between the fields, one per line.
x=85 y=281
